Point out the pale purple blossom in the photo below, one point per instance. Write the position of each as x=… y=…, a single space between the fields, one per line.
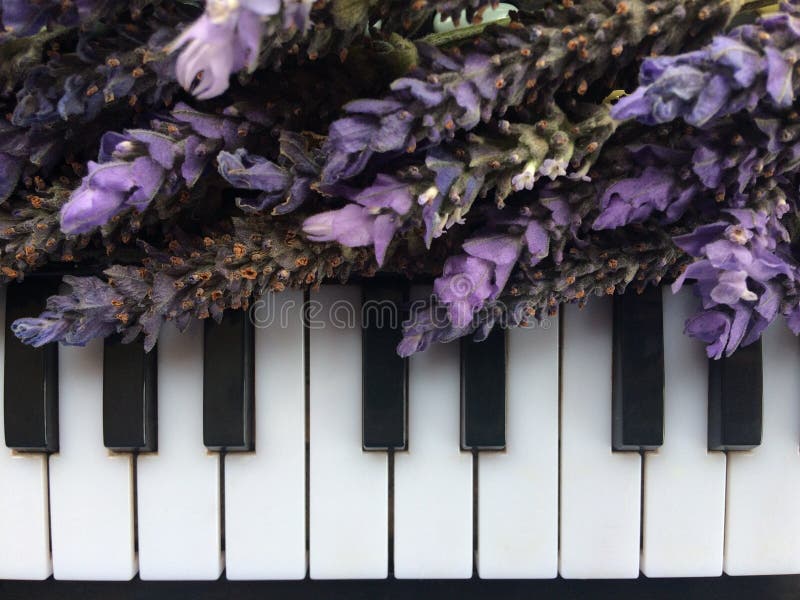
x=737 y=274
x=372 y=219
x=225 y=39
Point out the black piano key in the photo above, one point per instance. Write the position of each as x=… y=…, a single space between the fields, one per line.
x=31 y=374
x=735 y=400
x=483 y=392
x=129 y=396
x=228 y=382
x=384 y=372
x=638 y=371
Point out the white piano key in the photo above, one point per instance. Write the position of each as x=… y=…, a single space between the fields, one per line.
x=600 y=489
x=178 y=487
x=684 y=483
x=265 y=490
x=24 y=527
x=518 y=488
x=762 y=522
x=433 y=478
x=348 y=487
x=91 y=489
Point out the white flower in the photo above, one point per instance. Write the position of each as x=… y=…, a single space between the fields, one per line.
x=428 y=196
x=526 y=178
x=553 y=168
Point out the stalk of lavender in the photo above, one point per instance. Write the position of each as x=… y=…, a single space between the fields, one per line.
x=445 y=181
x=638 y=255
x=31 y=234
x=160 y=163
x=744 y=269
x=750 y=67
x=557 y=49
x=195 y=277
x=233 y=35
x=140 y=166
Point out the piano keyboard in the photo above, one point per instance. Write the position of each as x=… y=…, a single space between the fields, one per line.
x=600 y=444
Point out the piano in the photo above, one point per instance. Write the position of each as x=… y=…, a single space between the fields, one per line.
x=288 y=450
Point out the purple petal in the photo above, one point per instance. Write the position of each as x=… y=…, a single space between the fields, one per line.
x=537 y=239
x=383 y=232
x=88 y=208
x=351 y=226
x=779 y=76
x=712 y=327
x=499 y=249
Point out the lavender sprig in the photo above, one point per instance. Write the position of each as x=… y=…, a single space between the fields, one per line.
x=753 y=65
x=31 y=236
x=559 y=49
x=25 y=18
x=445 y=181
x=139 y=165
x=194 y=277
x=610 y=263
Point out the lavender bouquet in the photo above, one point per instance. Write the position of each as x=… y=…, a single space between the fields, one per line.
x=177 y=160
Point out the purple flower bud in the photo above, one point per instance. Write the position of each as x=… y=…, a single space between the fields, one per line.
x=40 y=330
x=351 y=226
x=107 y=190
x=252 y=172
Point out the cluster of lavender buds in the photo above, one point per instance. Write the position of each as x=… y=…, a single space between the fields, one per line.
x=192 y=160
x=21 y=18
x=136 y=166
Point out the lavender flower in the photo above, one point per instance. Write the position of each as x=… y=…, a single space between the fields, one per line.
x=227 y=267
x=446 y=185
x=737 y=274
x=469 y=281
x=734 y=72
x=136 y=166
x=109 y=189
x=227 y=38
x=372 y=220
x=31 y=236
x=91 y=297
x=285 y=186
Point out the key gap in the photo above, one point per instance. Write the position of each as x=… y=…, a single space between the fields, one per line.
x=725 y=518
x=560 y=326
x=390 y=458
x=135 y=488
x=641 y=504
x=222 y=500
x=49 y=511
x=307 y=425
x=475 y=508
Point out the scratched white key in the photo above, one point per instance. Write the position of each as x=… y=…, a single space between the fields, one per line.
x=684 y=483
x=24 y=528
x=762 y=522
x=91 y=489
x=600 y=489
x=179 y=486
x=433 y=478
x=265 y=490
x=348 y=487
x=518 y=488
